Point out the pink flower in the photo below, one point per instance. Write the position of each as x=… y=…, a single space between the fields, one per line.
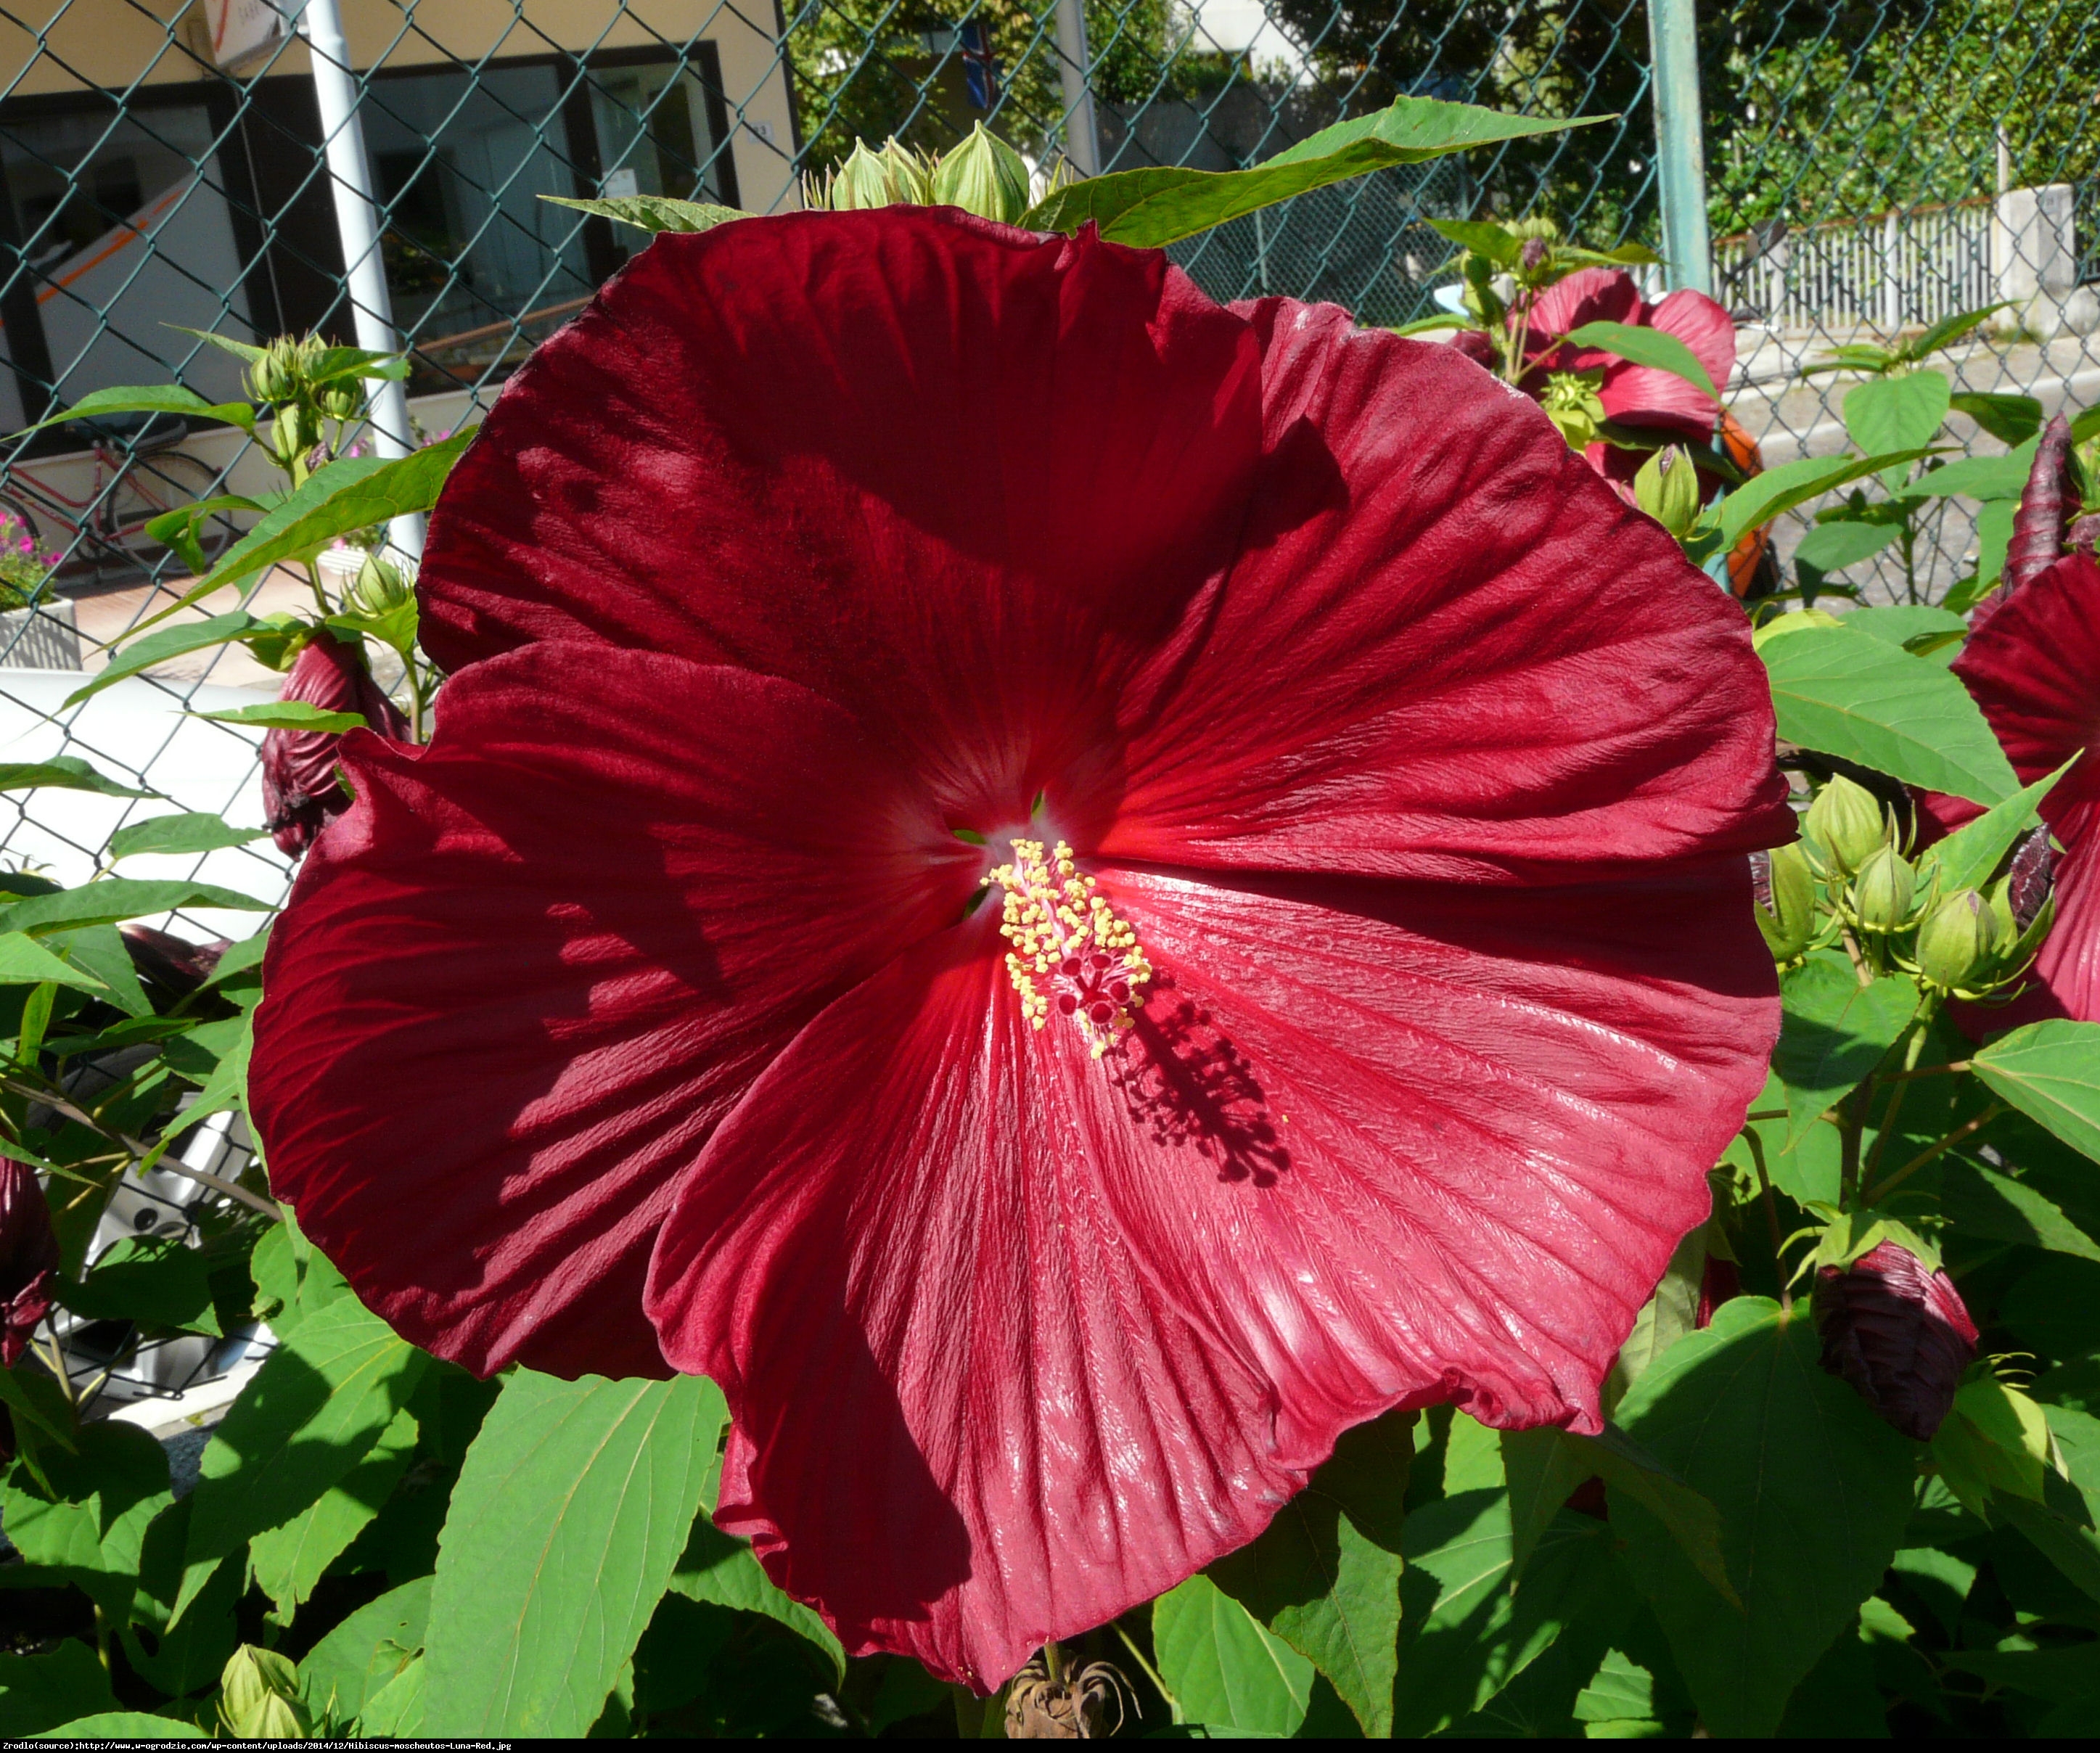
x=700 y=998
x=1640 y=396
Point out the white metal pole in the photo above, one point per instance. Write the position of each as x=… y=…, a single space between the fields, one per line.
x=357 y=223
x=1083 y=140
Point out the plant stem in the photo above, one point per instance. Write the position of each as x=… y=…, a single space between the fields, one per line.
x=1053 y=1662
x=1851 y=1121
x=1151 y=1673
x=1858 y=961
x=1875 y=1194
x=1911 y=1053
x=143 y=1151
x=1953 y=1068
x=1771 y=1221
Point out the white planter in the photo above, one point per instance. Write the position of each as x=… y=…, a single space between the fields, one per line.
x=46 y=637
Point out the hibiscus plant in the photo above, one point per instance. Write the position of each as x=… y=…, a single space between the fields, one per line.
x=1016 y=1005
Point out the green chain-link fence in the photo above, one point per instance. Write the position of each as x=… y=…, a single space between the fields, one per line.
x=164 y=167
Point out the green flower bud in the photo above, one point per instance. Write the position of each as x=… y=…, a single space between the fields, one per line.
x=910 y=175
x=862 y=181
x=1846 y=821
x=1883 y=891
x=259 y=1697
x=1957 y=940
x=274 y=377
x=985 y=176
x=1785 y=888
x=379 y=586
x=343 y=400
x=1667 y=489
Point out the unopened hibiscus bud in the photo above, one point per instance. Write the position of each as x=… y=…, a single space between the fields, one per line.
x=1846 y=821
x=1883 y=891
x=863 y=180
x=28 y=1257
x=2038 y=526
x=1897 y=1331
x=910 y=175
x=1786 y=900
x=274 y=377
x=300 y=790
x=1532 y=257
x=378 y=586
x=343 y=400
x=2031 y=879
x=259 y=1697
x=985 y=176
x=173 y=963
x=1667 y=488
x=1957 y=940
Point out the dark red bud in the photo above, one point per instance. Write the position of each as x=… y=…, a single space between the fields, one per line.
x=1898 y=1333
x=2033 y=874
x=1533 y=255
x=1476 y=345
x=1720 y=1282
x=174 y=962
x=2038 y=527
x=2084 y=535
x=29 y=1257
x=1761 y=879
x=300 y=792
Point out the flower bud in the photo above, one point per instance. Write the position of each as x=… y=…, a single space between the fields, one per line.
x=1667 y=489
x=862 y=181
x=1786 y=901
x=301 y=793
x=343 y=400
x=1532 y=257
x=1883 y=891
x=1898 y=1332
x=2032 y=878
x=2045 y=509
x=28 y=1257
x=985 y=176
x=175 y=964
x=910 y=175
x=1846 y=821
x=378 y=586
x=1957 y=940
x=274 y=377
x=259 y=1697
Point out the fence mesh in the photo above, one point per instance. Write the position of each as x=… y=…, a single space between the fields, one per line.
x=163 y=170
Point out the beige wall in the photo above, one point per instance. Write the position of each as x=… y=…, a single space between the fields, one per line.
x=114 y=44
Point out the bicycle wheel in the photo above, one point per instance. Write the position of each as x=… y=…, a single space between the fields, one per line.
x=19 y=510
x=161 y=483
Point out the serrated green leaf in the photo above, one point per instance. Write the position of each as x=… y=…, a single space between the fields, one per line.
x=1646 y=346
x=1813 y=1491
x=1967 y=857
x=1896 y=413
x=2051 y=1072
x=2009 y=419
x=1324 y=1575
x=1154 y=206
x=366 y=1653
x=289 y=1560
x=1832 y=1032
x=114 y=899
x=142 y=653
x=151 y=399
x=288 y=714
x=721 y=1570
x=571 y=1512
x=197 y=831
x=23 y=962
x=1849 y=694
x=1947 y=331
x=316 y=1407
x=1903 y=623
x=91 y=1520
x=1833 y=547
x=1765 y=496
x=153 y=1280
x=1982 y=1202
x=1984 y=477
x=63 y=773
x=1225 y=1669
x=653 y=212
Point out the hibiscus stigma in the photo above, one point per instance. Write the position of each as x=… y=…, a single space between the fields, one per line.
x=1062 y=929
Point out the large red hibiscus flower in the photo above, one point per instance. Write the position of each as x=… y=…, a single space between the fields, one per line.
x=1069 y=891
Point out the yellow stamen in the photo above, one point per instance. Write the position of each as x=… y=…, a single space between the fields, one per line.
x=1062 y=930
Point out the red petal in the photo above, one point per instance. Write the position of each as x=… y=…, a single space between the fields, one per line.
x=1016 y=1338
x=536 y=962
x=967 y=1421
x=1644 y=395
x=909 y=459
x=1589 y=295
x=1447 y=649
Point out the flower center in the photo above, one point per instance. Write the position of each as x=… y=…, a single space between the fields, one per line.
x=1571 y=402
x=1068 y=945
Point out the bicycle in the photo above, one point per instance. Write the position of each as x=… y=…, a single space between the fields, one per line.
x=138 y=474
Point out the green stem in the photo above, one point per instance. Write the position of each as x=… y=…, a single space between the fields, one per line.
x=1875 y=1194
x=1151 y=1673
x=1053 y=1662
x=1771 y=1221
x=1914 y=1051
x=1852 y=1122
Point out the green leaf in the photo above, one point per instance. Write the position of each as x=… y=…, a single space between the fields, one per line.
x=1946 y=332
x=1849 y=694
x=63 y=773
x=1907 y=625
x=289 y=1560
x=1813 y=1491
x=1764 y=497
x=23 y=962
x=142 y=653
x=89 y=1518
x=1833 y=1031
x=1496 y=243
x=1223 y=1668
x=1896 y=413
x=153 y=1280
x=653 y=212
x=1156 y=205
x=316 y=1407
x=2086 y=425
x=125 y=1725
x=1542 y=1470
x=721 y=1570
x=2009 y=419
x=1464 y=1634
x=1629 y=1470
x=288 y=714
x=396 y=1709
x=1984 y=477
x=338 y=363
x=1648 y=347
x=116 y=898
x=1967 y=857
x=196 y=832
x=1324 y=1575
x=573 y=1506
x=1981 y=1201
x=2050 y=1072
x=39 y=1692
x=24 y=1401
x=225 y=1090
x=366 y=1652
x=178 y=529
x=294 y=1280
x=151 y=399
x=1833 y=547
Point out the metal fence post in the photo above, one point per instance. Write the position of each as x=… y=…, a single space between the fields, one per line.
x=1083 y=139
x=357 y=223
x=1680 y=143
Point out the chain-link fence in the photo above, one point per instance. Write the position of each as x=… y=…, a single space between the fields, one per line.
x=165 y=168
